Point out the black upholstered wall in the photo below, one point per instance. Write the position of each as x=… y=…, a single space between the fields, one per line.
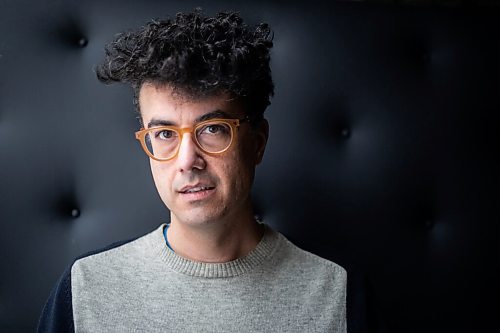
x=383 y=154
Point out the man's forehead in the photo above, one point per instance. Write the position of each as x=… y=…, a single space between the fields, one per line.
x=183 y=95
x=165 y=106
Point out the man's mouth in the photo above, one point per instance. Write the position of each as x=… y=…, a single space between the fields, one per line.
x=196 y=189
x=196 y=193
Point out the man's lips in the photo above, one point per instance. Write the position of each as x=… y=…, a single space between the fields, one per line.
x=195 y=188
x=196 y=193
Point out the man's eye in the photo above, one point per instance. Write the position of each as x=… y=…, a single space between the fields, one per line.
x=165 y=134
x=215 y=129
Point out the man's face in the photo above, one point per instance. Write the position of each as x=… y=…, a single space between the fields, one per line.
x=225 y=179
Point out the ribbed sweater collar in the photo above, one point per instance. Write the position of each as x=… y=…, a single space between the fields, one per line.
x=263 y=250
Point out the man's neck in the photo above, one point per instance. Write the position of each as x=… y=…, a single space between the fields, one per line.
x=217 y=242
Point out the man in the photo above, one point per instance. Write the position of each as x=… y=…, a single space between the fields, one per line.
x=201 y=86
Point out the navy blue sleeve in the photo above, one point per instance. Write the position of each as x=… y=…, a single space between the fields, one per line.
x=362 y=311
x=57 y=315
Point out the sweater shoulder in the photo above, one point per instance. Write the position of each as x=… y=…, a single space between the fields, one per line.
x=124 y=258
x=129 y=247
x=312 y=262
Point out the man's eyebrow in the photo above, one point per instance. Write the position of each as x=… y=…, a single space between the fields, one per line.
x=206 y=116
x=213 y=115
x=159 y=122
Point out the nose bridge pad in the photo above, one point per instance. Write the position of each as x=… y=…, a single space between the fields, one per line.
x=186 y=130
x=191 y=140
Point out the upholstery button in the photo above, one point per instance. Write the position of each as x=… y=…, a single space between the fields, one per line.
x=345 y=133
x=82 y=42
x=75 y=212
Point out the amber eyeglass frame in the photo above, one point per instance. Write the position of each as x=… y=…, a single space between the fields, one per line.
x=233 y=123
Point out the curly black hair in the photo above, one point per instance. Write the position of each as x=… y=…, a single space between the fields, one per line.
x=201 y=56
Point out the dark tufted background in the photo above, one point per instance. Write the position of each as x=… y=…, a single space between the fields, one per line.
x=383 y=153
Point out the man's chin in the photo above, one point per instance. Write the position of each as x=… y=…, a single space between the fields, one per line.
x=197 y=219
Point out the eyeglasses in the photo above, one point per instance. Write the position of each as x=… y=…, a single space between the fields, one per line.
x=213 y=137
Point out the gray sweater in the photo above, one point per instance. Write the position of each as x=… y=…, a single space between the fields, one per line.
x=143 y=286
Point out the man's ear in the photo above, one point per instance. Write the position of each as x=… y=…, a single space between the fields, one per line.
x=262 y=134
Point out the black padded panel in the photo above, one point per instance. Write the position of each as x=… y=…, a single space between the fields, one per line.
x=383 y=154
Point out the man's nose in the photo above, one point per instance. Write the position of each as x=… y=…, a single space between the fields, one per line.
x=189 y=156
